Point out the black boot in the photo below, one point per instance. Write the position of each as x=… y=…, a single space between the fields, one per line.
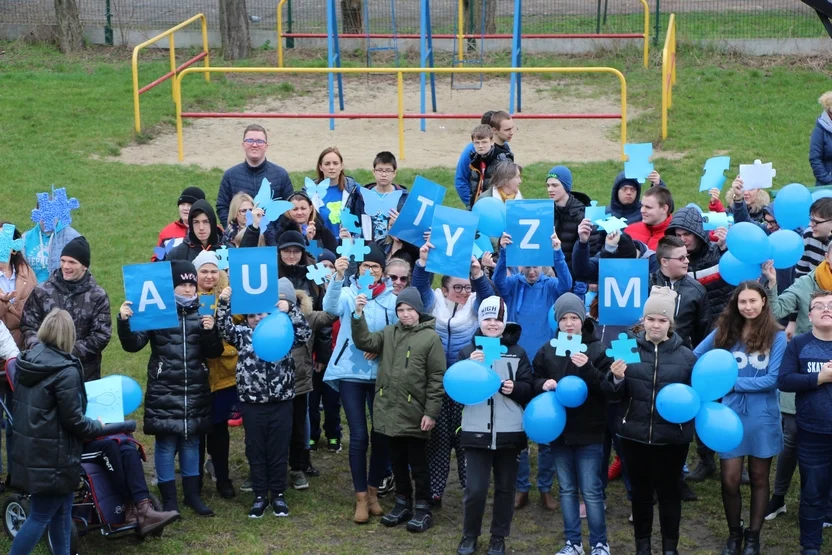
x=752 y=542
x=704 y=469
x=168 y=492
x=422 y=517
x=643 y=546
x=402 y=512
x=734 y=543
x=669 y=546
x=190 y=485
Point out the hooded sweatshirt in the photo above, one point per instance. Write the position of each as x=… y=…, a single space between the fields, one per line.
x=190 y=248
x=820 y=150
x=43 y=250
x=630 y=212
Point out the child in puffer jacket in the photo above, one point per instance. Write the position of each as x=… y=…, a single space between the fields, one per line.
x=266 y=390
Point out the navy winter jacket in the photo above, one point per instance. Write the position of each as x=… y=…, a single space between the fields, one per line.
x=805 y=357
x=820 y=150
x=244 y=178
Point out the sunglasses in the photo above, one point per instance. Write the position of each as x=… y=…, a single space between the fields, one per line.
x=394 y=277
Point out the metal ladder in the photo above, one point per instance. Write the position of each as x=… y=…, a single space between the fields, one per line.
x=393 y=46
x=460 y=58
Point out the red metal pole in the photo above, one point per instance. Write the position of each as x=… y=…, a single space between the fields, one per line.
x=170 y=74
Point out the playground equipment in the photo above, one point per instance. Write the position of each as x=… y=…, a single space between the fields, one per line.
x=824 y=10
x=400 y=115
x=668 y=71
x=174 y=70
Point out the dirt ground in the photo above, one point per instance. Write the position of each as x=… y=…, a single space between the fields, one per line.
x=295 y=143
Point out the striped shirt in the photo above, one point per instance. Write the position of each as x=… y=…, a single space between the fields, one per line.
x=813 y=254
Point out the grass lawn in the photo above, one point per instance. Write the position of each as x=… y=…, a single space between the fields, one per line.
x=60 y=115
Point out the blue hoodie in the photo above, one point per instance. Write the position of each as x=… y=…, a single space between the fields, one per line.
x=462 y=179
x=43 y=250
x=805 y=357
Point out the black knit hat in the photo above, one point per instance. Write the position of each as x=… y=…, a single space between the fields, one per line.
x=291 y=238
x=183 y=272
x=191 y=195
x=78 y=249
x=376 y=255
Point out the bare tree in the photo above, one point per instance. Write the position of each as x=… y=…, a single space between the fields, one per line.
x=353 y=15
x=70 y=32
x=473 y=21
x=236 y=43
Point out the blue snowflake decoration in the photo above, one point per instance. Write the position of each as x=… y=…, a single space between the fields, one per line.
x=8 y=243
x=54 y=211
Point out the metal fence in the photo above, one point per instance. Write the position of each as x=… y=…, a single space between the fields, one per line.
x=697 y=19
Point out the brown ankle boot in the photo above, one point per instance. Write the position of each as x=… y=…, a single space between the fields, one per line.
x=150 y=520
x=548 y=501
x=362 y=515
x=130 y=515
x=521 y=499
x=373 y=506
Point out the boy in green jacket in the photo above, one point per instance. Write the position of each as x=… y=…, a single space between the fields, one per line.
x=408 y=399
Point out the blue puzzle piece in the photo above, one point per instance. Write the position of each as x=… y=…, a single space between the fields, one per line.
x=594 y=212
x=491 y=348
x=567 y=343
x=714 y=168
x=318 y=273
x=482 y=245
x=8 y=243
x=638 y=166
x=162 y=252
x=612 y=224
x=222 y=257
x=207 y=305
x=354 y=248
x=624 y=349
x=713 y=220
x=349 y=221
x=54 y=211
x=364 y=283
x=314 y=248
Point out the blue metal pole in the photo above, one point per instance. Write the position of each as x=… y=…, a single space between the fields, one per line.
x=330 y=50
x=516 y=58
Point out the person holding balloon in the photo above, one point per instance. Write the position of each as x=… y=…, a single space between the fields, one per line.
x=747 y=328
x=578 y=452
x=492 y=425
x=654 y=448
x=352 y=373
x=266 y=388
x=177 y=408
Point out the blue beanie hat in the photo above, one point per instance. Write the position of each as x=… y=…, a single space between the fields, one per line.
x=562 y=174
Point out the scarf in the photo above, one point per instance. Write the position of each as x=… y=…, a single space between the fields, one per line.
x=823 y=276
x=377 y=288
x=184 y=301
x=506 y=197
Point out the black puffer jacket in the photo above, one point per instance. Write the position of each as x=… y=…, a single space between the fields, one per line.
x=49 y=422
x=630 y=212
x=704 y=261
x=692 y=321
x=285 y=223
x=567 y=219
x=191 y=246
x=661 y=365
x=178 y=397
x=587 y=423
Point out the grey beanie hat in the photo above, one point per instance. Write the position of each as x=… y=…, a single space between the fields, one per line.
x=287 y=291
x=569 y=303
x=411 y=297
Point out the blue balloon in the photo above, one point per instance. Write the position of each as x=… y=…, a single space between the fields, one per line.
x=544 y=418
x=786 y=247
x=735 y=272
x=678 y=403
x=571 y=392
x=822 y=193
x=714 y=374
x=791 y=206
x=552 y=323
x=748 y=243
x=492 y=215
x=273 y=337
x=471 y=383
x=719 y=427
x=131 y=394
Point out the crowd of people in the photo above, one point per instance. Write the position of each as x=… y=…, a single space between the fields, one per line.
x=383 y=353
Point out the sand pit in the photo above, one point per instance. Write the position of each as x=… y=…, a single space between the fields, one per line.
x=295 y=144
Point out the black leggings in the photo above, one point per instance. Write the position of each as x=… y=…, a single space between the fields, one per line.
x=758 y=471
x=217 y=442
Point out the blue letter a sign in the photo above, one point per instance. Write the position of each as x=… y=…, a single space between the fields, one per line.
x=150 y=288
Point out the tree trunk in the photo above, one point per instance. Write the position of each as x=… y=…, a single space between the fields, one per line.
x=70 y=32
x=352 y=13
x=473 y=22
x=236 y=43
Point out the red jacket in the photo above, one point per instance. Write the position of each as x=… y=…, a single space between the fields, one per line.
x=648 y=234
x=174 y=230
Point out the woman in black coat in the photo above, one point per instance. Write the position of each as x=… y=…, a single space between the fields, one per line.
x=49 y=431
x=655 y=449
x=304 y=219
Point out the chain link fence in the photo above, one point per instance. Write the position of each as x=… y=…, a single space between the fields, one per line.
x=696 y=19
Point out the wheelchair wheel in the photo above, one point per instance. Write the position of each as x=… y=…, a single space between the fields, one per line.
x=15 y=511
x=73 y=540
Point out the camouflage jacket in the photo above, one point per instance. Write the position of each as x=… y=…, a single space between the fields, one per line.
x=89 y=307
x=259 y=381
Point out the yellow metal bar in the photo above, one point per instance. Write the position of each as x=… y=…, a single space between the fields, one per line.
x=172 y=48
x=668 y=71
x=400 y=87
x=280 y=32
x=207 y=59
x=460 y=30
x=646 y=8
x=137 y=117
x=400 y=73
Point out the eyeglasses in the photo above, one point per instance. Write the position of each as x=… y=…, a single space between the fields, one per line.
x=384 y=171
x=293 y=252
x=372 y=267
x=682 y=258
x=458 y=288
x=242 y=211
x=814 y=221
x=394 y=277
x=822 y=307
x=258 y=142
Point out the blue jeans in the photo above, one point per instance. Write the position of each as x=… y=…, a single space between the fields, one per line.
x=814 y=457
x=357 y=398
x=578 y=469
x=166 y=448
x=545 y=470
x=54 y=512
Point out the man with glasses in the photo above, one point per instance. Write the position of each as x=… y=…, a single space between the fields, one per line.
x=816 y=238
x=247 y=176
x=369 y=202
x=806 y=370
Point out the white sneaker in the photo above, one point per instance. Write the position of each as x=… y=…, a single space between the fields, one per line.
x=631 y=518
x=601 y=549
x=571 y=549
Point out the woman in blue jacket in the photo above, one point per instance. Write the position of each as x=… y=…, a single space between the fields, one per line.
x=454 y=306
x=820 y=146
x=749 y=330
x=353 y=373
